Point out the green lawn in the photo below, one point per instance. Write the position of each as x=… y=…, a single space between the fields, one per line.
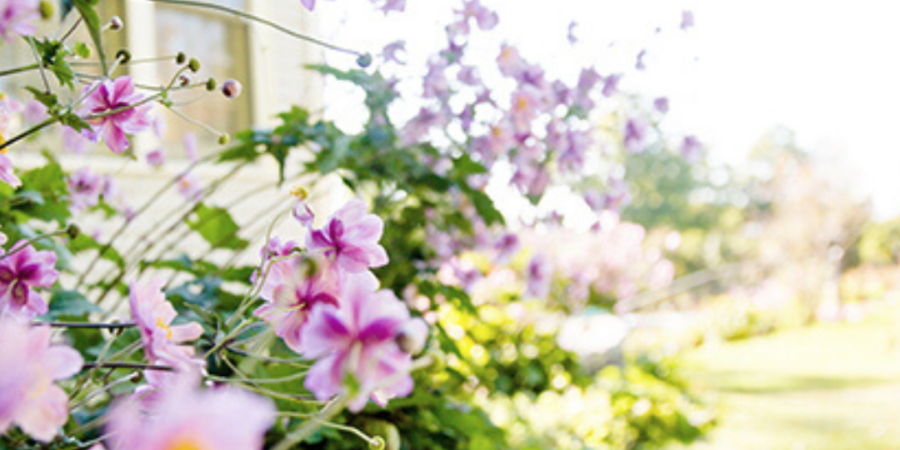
x=825 y=387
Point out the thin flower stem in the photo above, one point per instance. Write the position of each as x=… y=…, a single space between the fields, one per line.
x=16 y=70
x=258 y=19
x=31 y=241
x=313 y=424
x=40 y=63
x=196 y=122
x=126 y=365
x=293 y=362
x=104 y=388
x=71 y=30
x=102 y=326
x=28 y=132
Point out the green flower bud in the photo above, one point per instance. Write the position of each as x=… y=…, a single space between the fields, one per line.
x=194 y=65
x=364 y=60
x=211 y=84
x=180 y=58
x=124 y=56
x=46 y=9
x=224 y=139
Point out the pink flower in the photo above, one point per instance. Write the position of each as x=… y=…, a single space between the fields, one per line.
x=525 y=104
x=74 y=141
x=292 y=289
x=35 y=111
x=389 y=53
x=153 y=315
x=7 y=174
x=84 y=188
x=190 y=147
x=539 y=274
x=16 y=17
x=358 y=340
x=691 y=149
x=661 y=104
x=309 y=4
x=185 y=417
x=509 y=61
x=472 y=9
x=20 y=273
x=156 y=157
x=350 y=239
x=276 y=248
x=687 y=19
x=190 y=187
x=28 y=367
x=634 y=135
x=393 y=5
x=611 y=85
x=111 y=95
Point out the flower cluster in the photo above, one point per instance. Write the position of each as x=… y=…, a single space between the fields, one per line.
x=326 y=305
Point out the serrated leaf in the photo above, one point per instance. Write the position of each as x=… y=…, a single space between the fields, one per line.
x=74 y=122
x=82 y=50
x=216 y=226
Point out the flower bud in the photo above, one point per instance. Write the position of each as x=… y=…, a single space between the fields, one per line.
x=73 y=231
x=224 y=139
x=180 y=58
x=123 y=55
x=194 y=65
x=115 y=23
x=364 y=60
x=211 y=84
x=46 y=9
x=231 y=88
x=412 y=336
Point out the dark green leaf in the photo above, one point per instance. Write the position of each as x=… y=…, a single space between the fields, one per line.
x=217 y=227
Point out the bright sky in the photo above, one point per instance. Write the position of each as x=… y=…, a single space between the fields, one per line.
x=830 y=71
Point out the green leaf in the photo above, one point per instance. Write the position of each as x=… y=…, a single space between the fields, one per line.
x=48 y=99
x=84 y=242
x=70 y=303
x=74 y=122
x=82 y=50
x=484 y=206
x=217 y=227
x=92 y=21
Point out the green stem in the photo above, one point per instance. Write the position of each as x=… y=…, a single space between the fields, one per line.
x=88 y=325
x=28 y=132
x=31 y=241
x=313 y=424
x=16 y=70
x=258 y=19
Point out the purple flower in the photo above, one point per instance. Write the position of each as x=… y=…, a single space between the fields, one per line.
x=485 y=18
x=35 y=111
x=691 y=149
x=435 y=84
x=639 y=62
x=276 y=248
x=687 y=19
x=190 y=186
x=153 y=315
x=190 y=147
x=74 y=141
x=350 y=239
x=507 y=246
x=185 y=417
x=292 y=289
x=28 y=367
x=7 y=173
x=358 y=340
x=16 y=17
x=509 y=61
x=112 y=95
x=389 y=53
x=539 y=274
x=634 y=135
x=84 y=188
x=20 y=273
x=525 y=104
x=661 y=104
x=468 y=75
x=392 y=5
x=157 y=157
x=570 y=34
x=611 y=85
x=309 y=4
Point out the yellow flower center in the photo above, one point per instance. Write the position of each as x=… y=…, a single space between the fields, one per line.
x=299 y=192
x=522 y=103
x=161 y=324
x=186 y=443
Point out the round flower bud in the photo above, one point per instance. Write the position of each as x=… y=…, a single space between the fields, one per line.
x=412 y=336
x=211 y=84
x=73 y=231
x=194 y=65
x=123 y=55
x=364 y=60
x=46 y=9
x=115 y=23
x=224 y=139
x=231 y=88
x=180 y=58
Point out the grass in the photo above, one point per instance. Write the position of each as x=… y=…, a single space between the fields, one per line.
x=824 y=387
